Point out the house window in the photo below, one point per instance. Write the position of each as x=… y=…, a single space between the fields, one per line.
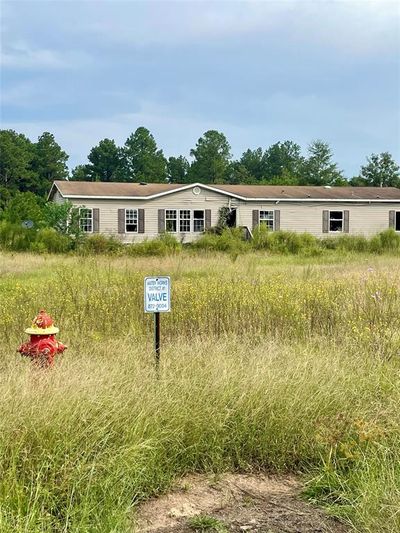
x=397 y=221
x=86 y=219
x=170 y=220
x=335 y=221
x=267 y=218
x=184 y=220
x=131 y=220
x=198 y=221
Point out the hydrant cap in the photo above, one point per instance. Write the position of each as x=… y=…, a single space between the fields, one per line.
x=42 y=325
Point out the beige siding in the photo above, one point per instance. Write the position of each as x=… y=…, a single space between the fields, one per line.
x=57 y=198
x=180 y=200
x=364 y=218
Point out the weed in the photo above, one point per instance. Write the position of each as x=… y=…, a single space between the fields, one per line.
x=202 y=522
x=278 y=363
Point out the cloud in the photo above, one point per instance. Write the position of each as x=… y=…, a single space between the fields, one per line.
x=300 y=119
x=20 y=55
x=175 y=134
x=258 y=71
x=20 y=94
x=359 y=27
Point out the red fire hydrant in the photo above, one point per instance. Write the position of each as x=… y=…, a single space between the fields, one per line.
x=43 y=346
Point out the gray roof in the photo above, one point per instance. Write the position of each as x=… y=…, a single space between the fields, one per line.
x=88 y=189
x=102 y=188
x=297 y=192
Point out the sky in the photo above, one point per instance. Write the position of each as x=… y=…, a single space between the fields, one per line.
x=260 y=72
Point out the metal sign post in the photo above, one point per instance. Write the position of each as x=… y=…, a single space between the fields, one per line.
x=157 y=299
x=157 y=337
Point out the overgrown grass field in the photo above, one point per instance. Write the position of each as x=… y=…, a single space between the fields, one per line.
x=285 y=364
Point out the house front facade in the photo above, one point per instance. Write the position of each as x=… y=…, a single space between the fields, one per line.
x=133 y=212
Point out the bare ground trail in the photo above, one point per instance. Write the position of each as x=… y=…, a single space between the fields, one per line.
x=238 y=503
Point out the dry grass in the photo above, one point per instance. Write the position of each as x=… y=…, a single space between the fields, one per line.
x=283 y=366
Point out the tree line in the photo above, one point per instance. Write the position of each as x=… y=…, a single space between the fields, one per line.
x=27 y=166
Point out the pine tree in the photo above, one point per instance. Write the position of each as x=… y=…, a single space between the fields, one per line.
x=143 y=160
x=211 y=158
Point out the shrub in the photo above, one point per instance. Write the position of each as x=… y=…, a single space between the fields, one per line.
x=284 y=242
x=49 y=240
x=386 y=241
x=261 y=237
x=14 y=237
x=352 y=243
x=165 y=244
x=63 y=217
x=329 y=243
x=207 y=242
x=230 y=240
x=24 y=206
x=100 y=244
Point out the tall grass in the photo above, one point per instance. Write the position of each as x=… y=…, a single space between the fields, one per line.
x=13 y=237
x=285 y=368
x=94 y=299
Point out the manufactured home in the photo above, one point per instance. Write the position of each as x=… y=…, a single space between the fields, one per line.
x=136 y=211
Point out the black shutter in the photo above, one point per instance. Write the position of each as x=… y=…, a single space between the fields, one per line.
x=121 y=220
x=161 y=220
x=346 y=221
x=96 y=219
x=392 y=219
x=207 y=219
x=325 y=221
x=277 y=220
x=140 y=220
x=256 y=218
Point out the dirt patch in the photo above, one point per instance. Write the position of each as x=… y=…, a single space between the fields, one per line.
x=234 y=503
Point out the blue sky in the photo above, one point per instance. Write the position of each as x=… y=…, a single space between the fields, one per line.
x=260 y=72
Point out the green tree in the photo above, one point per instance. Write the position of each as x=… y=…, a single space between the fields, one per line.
x=285 y=178
x=64 y=218
x=5 y=196
x=177 y=169
x=143 y=160
x=282 y=160
x=253 y=161
x=381 y=171
x=238 y=174
x=22 y=207
x=49 y=163
x=81 y=173
x=318 y=168
x=211 y=158
x=357 y=181
x=106 y=162
x=17 y=153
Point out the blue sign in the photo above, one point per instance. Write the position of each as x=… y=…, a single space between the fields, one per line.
x=157 y=294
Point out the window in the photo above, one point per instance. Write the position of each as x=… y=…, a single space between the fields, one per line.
x=86 y=219
x=184 y=220
x=397 y=221
x=170 y=220
x=131 y=220
x=198 y=221
x=335 y=221
x=267 y=218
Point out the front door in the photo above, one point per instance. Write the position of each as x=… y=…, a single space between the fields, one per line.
x=231 y=219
